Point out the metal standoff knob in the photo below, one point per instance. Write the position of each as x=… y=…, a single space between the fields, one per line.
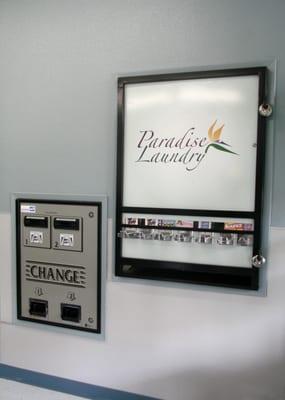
x=258 y=260
x=265 y=109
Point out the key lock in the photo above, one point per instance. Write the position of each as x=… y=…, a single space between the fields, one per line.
x=265 y=110
x=258 y=260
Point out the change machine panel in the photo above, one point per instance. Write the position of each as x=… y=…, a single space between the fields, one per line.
x=59 y=263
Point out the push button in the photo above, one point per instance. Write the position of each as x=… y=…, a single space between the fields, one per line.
x=70 y=312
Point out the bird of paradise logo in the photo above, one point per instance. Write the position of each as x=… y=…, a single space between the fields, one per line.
x=190 y=149
x=215 y=141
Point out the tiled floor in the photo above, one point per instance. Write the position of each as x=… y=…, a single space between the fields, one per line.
x=10 y=390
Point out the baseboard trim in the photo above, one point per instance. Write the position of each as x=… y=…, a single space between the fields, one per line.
x=67 y=386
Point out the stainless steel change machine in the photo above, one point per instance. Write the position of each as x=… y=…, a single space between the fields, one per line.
x=59 y=263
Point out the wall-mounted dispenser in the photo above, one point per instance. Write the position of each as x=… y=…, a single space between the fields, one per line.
x=191 y=155
x=59 y=263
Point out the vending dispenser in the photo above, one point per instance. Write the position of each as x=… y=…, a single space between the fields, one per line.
x=190 y=172
x=59 y=263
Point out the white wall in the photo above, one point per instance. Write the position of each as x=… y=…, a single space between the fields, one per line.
x=168 y=341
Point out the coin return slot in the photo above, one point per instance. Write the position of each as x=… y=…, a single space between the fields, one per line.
x=36 y=222
x=38 y=308
x=66 y=224
x=70 y=312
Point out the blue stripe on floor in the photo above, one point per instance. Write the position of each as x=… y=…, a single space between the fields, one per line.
x=68 y=386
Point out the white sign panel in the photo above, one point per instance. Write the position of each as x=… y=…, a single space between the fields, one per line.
x=191 y=144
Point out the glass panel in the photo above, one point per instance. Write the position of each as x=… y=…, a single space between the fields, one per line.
x=191 y=144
